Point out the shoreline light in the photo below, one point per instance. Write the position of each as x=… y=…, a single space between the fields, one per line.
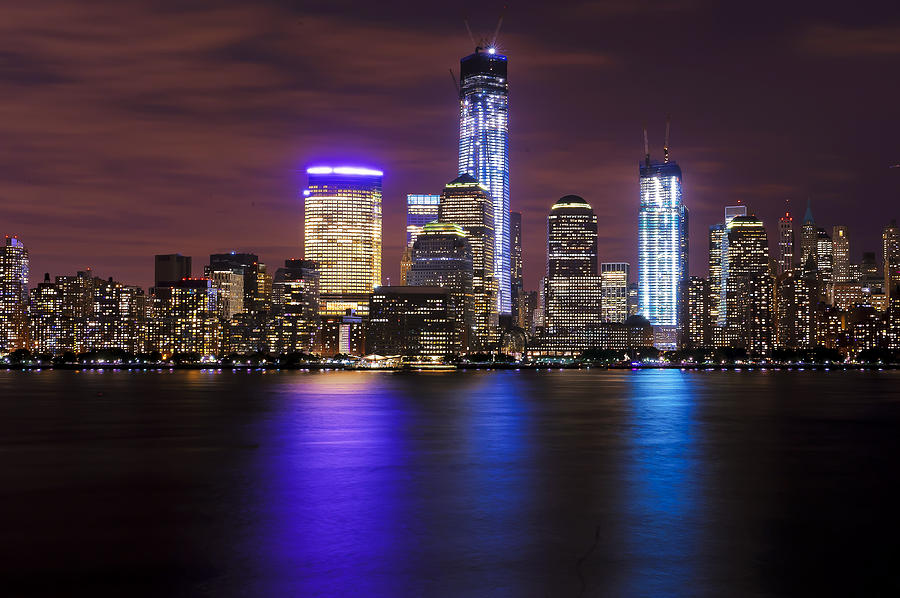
x=351 y=170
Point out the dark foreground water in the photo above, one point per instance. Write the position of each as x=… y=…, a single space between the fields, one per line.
x=450 y=484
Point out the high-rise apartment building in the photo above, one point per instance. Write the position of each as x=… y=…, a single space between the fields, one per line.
x=45 y=318
x=484 y=149
x=194 y=316
x=245 y=264
x=230 y=286
x=614 y=284
x=571 y=238
x=662 y=249
x=442 y=257
x=785 y=243
x=890 y=247
x=343 y=234
x=467 y=203
x=14 y=266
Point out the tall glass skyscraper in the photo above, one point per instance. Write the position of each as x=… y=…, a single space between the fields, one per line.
x=484 y=149
x=571 y=238
x=342 y=232
x=662 y=249
x=13 y=296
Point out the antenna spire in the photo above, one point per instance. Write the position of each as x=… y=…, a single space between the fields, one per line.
x=666 y=144
x=646 y=148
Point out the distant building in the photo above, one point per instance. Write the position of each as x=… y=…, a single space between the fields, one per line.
x=516 y=275
x=442 y=257
x=785 y=243
x=294 y=318
x=614 y=283
x=244 y=264
x=891 y=254
x=825 y=261
x=716 y=232
x=170 y=268
x=194 y=315
x=840 y=241
x=571 y=238
x=343 y=234
x=466 y=202
x=746 y=283
x=697 y=322
x=230 y=287
x=14 y=265
x=45 y=318
x=420 y=210
x=414 y=322
x=809 y=238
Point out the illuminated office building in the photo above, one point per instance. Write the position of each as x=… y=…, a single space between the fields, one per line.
x=840 y=242
x=13 y=296
x=484 y=150
x=747 y=260
x=515 y=250
x=825 y=262
x=571 y=238
x=466 y=202
x=890 y=239
x=809 y=237
x=442 y=257
x=245 y=264
x=420 y=210
x=731 y=212
x=45 y=318
x=294 y=317
x=414 y=322
x=342 y=233
x=785 y=243
x=662 y=249
x=614 y=283
x=697 y=323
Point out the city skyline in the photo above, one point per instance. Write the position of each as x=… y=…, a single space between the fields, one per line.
x=198 y=170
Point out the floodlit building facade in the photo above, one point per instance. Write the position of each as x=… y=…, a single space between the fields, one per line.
x=484 y=150
x=343 y=234
x=662 y=249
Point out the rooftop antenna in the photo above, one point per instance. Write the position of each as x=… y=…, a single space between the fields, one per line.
x=497 y=30
x=469 y=29
x=666 y=144
x=646 y=148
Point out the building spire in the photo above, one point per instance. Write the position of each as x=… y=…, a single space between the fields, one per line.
x=808 y=217
x=646 y=148
x=666 y=144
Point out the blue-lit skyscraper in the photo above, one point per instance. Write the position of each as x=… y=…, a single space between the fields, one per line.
x=662 y=249
x=484 y=149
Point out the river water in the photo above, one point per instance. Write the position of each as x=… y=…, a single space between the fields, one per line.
x=531 y=483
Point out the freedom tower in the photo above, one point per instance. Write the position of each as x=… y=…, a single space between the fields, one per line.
x=484 y=149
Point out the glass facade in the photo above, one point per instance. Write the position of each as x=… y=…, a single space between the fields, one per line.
x=420 y=210
x=662 y=249
x=484 y=149
x=731 y=212
x=13 y=296
x=571 y=238
x=614 y=280
x=343 y=234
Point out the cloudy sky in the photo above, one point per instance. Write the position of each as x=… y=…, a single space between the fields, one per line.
x=134 y=128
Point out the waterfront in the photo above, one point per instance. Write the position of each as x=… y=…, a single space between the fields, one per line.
x=665 y=482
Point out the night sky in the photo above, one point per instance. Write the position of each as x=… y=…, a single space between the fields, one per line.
x=129 y=129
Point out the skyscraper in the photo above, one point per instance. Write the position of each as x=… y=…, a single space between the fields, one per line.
x=809 y=237
x=785 y=243
x=840 y=241
x=170 y=268
x=731 y=212
x=614 y=283
x=13 y=296
x=294 y=322
x=716 y=231
x=484 y=149
x=662 y=248
x=825 y=261
x=697 y=322
x=515 y=250
x=890 y=239
x=45 y=318
x=245 y=264
x=342 y=233
x=748 y=262
x=415 y=322
x=442 y=257
x=420 y=210
x=466 y=202
x=571 y=238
